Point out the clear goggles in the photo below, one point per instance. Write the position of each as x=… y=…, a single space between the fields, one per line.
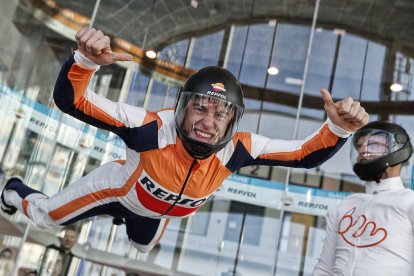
x=193 y=108
x=372 y=144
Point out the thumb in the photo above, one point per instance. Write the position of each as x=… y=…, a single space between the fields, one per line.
x=121 y=57
x=327 y=98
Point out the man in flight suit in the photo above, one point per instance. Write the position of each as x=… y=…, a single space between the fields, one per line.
x=176 y=158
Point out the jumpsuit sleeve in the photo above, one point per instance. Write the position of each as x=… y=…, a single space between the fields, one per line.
x=72 y=96
x=308 y=153
x=326 y=260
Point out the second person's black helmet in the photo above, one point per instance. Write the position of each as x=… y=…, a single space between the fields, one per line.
x=216 y=85
x=379 y=145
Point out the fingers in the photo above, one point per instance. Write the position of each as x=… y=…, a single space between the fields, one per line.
x=344 y=106
x=92 y=42
x=347 y=113
x=360 y=115
x=327 y=98
x=353 y=110
x=122 y=57
x=80 y=33
x=82 y=37
x=97 y=43
x=365 y=119
x=96 y=46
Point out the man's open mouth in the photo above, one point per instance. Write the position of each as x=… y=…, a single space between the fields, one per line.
x=202 y=134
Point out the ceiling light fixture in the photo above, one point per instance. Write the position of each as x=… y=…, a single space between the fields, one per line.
x=293 y=81
x=151 y=54
x=396 y=87
x=272 y=70
x=272 y=22
x=194 y=4
x=339 y=31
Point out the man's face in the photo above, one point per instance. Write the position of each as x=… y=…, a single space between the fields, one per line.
x=69 y=239
x=206 y=119
x=6 y=255
x=372 y=146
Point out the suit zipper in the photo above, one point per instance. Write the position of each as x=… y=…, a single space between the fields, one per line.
x=182 y=189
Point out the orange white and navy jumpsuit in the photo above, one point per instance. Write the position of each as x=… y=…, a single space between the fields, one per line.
x=159 y=180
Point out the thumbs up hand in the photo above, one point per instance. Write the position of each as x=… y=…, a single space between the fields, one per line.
x=96 y=46
x=347 y=113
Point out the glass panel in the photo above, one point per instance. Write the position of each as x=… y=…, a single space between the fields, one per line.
x=322 y=61
x=220 y=247
x=7 y=257
x=206 y=50
x=121 y=242
x=243 y=213
x=349 y=69
x=236 y=52
x=407 y=171
x=137 y=90
x=165 y=253
x=289 y=56
x=99 y=232
x=249 y=121
x=161 y=96
x=57 y=170
x=290 y=249
x=277 y=109
x=374 y=70
x=315 y=241
x=175 y=53
x=257 y=54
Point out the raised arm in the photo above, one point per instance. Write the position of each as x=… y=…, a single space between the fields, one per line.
x=344 y=117
x=72 y=96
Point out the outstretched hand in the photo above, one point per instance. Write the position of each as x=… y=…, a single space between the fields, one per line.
x=347 y=113
x=96 y=46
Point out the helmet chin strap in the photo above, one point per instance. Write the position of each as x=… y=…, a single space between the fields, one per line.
x=217 y=138
x=379 y=176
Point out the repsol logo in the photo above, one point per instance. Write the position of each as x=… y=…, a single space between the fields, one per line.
x=42 y=124
x=163 y=194
x=241 y=192
x=112 y=154
x=311 y=205
x=215 y=94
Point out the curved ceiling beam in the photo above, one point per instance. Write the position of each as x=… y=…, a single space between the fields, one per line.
x=316 y=102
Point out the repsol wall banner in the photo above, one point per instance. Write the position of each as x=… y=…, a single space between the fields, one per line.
x=271 y=194
x=55 y=125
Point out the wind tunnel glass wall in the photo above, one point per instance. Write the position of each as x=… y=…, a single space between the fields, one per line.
x=237 y=231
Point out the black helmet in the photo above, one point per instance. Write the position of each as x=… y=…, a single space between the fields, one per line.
x=379 y=145
x=211 y=91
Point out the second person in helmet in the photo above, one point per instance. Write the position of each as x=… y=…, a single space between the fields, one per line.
x=372 y=233
x=379 y=150
x=176 y=158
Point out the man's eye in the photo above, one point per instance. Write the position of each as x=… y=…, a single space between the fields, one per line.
x=376 y=144
x=222 y=115
x=198 y=107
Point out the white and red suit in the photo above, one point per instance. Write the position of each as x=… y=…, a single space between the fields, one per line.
x=159 y=179
x=371 y=233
